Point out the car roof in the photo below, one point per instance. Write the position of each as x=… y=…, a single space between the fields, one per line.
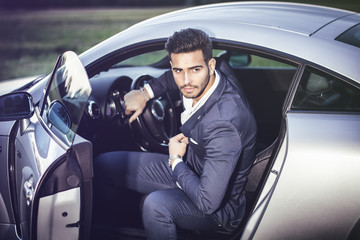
x=297 y=18
x=305 y=31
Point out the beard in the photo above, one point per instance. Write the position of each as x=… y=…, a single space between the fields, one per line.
x=196 y=94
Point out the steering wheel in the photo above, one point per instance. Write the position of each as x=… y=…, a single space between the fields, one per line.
x=157 y=124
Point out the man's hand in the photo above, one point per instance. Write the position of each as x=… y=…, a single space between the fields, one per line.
x=135 y=103
x=177 y=145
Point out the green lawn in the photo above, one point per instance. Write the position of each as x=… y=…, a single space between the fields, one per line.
x=30 y=41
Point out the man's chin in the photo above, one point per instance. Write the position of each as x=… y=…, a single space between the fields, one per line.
x=187 y=95
x=195 y=93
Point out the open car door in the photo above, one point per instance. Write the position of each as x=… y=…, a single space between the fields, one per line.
x=50 y=167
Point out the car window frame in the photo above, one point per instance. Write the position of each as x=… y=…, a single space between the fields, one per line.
x=296 y=83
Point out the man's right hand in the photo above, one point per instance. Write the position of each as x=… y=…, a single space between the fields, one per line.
x=177 y=145
x=135 y=103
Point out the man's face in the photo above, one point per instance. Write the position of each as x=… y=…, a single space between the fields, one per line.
x=192 y=73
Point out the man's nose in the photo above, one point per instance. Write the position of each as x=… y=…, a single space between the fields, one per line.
x=187 y=80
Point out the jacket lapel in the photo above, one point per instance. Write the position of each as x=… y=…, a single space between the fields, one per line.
x=200 y=113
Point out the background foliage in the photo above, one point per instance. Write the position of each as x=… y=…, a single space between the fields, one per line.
x=15 y=4
x=34 y=39
x=33 y=33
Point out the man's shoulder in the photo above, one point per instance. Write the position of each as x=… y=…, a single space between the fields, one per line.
x=227 y=107
x=232 y=104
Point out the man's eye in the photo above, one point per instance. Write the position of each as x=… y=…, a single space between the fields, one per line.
x=177 y=70
x=196 y=69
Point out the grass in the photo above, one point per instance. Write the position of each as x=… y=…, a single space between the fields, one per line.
x=30 y=41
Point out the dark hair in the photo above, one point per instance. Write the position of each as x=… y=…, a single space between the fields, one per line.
x=189 y=40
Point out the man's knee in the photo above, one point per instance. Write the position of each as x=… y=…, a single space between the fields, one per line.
x=155 y=207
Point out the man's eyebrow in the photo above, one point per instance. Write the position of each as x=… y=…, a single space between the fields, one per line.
x=193 y=67
x=197 y=66
x=176 y=68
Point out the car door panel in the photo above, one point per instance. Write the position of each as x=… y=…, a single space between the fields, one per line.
x=266 y=193
x=7 y=219
x=323 y=162
x=50 y=167
x=30 y=164
x=55 y=205
x=58 y=194
x=59 y=200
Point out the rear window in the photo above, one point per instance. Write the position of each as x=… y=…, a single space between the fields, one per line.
x=320 y=91
x=351 y=36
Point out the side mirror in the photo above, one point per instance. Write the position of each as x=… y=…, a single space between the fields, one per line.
x=16 y=106
x=59 y=117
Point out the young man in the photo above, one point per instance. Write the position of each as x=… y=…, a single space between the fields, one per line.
x=199 y=185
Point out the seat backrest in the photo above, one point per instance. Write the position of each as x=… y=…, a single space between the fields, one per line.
x=258 y=168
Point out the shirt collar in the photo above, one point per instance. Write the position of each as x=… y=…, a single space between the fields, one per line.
x=189 y=109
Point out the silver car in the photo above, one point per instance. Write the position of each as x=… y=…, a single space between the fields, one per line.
x=300 y=68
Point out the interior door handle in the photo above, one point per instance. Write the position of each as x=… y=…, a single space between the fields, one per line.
x=29 y=191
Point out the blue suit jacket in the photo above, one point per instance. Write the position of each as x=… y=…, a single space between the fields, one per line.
x=221 y=149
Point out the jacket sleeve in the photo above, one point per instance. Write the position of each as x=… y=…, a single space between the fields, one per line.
x=222 y=150
x=163 y=84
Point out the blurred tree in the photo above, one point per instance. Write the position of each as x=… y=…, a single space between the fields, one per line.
x=36 y=4
x=21 y=4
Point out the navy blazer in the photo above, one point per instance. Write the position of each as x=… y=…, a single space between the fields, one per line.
x=221 y=149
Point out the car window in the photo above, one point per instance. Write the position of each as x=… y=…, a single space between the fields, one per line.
x=351 y=36
x=66 y=97
x=323 y=92
x=261 y=62
x=144 y=59
x=234 y=58
x=246 y=60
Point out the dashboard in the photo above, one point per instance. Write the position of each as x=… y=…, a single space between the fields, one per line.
x=105 y=123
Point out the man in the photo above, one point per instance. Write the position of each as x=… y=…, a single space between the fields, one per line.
x=199 y=185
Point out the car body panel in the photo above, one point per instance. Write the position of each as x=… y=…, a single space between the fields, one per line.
x=266 y=15
x=311 y=188
x=285 y=37
x=7 y=86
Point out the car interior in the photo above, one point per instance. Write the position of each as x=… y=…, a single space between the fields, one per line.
x=266 y=79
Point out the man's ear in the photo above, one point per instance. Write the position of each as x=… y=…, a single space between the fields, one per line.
x=212 y=64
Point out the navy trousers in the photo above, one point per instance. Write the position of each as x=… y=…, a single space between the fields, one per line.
x=166 y=207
